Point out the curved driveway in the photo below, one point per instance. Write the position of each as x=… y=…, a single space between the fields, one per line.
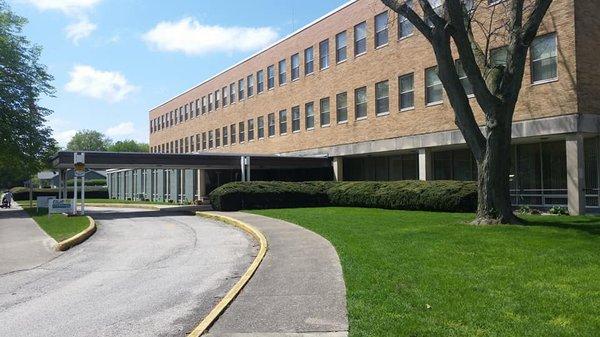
x=143 y=273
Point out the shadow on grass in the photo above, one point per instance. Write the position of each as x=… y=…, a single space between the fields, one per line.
x=588 y=224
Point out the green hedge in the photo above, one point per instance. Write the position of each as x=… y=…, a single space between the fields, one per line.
x=89 y=182
x=451 y=196
x=22 y=193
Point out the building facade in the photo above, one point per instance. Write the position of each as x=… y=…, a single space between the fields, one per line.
x=360 y=85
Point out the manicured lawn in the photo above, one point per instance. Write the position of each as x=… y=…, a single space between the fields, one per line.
x=58 y=226
x=432 y=274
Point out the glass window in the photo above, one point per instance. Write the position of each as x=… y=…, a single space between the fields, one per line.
x=340 y=47
x=225 y=136
x=282 y=72
x=210 y=102
x=260 y=121
x=309 y=61
x=325 y=112
x=309 y=110
x=324 y=54
x=232 y=132
x=217 y=137
x=241 y=87
x=382 y=97
x=282 y=122
x=198 y=143
x=296 y=119
x=271 y=121
x=250 y=85
x=250 y=129
x=241 y=132
x=360 y=100
x=437 y=7
x=499 y=56
x=224 y=93
x=203 y=141
x=433 y=87
x=210 y=140
x=360 y=38
x=462 y=75
x=381 y=29
x=191 y=144
x=271 y=77
x=407 y=91
x=260 y=81
x=295 y=66
x=185 y=112
x=217 y=98
x=203 y=105
x=197 y=108
x=341 y=106
x=405 y=28
x=232 y=92
x=543 y=58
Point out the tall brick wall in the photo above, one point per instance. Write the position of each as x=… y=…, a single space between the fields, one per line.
x=587 y=27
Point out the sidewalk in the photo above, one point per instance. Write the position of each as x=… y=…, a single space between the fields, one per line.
x=298 y=290
x=23 y=244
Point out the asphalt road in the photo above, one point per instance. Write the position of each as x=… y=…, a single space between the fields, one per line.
x=141 y=274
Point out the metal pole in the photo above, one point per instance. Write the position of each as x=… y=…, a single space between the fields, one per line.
x=248 y=168
x=83 y=195
x=59 y=184
x=74 y=194
x=242 y=164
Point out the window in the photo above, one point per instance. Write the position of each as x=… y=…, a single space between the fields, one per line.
x=499 y=56
x=340 y=47
x=543 y=59
x=260 y=81
x=176 y=146
x=295 y=67
x=241 y=132
x=171 y=118
x=309 y=115
x=217 y=137
x=225 y=136
x=282 y=122
x=232 y=92
x=167 y=120
x=437 y=8
x=271 y=121
x=360 y=103
x=324 y=54
x=360 y=38
x=405 y=28
x=232 y=132
x=197 y=108
x=187 y=146
x=250 y=129
x=324 y=111
x=210 y=140
x=260 y=121
x=381 y=29
x=210 y=102
x=224 y=91
x=406 y=92
x=462 y=75
x=433 y=87
x=192 y=144
x=203 y=105
x=241 y=87
x=185 y=112
x=270 y=77
x=382 y=98
x=250 y=85
x=296 y=119
x=341 y=106
x=309 y=61
x=198 y=144
x=217 y=98
x=282 y=72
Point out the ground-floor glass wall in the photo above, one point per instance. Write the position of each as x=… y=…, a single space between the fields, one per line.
x=383 y=168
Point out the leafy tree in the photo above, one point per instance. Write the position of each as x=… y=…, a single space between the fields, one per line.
x=128 y=146
x=89 y=140
x=472 y=27
x=25 y=142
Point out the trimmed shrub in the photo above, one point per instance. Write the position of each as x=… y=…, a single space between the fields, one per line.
x=22 y=193
x=451 y=196
x=89 y=182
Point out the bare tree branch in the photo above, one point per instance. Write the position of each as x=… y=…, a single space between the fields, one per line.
x=400 y=7
x=532 y=25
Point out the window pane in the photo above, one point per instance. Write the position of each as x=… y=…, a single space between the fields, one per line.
x=382 y=97
x=341 y=101
x=260 y=81
x=283 y=121
x=310 y=115
x=324 y=54
x=434 y=89
x=340 y=45
x=271 y=121
x=308 y=61
x=405 y=28
x=271 y=77
x=295 y=66
x=296 y=118
x=325 y=112
x=543 y=58
x=381 y=29
x=282 y=72
x=360 y=38
x=463 y=78
x=407 y=91
x=499 y=56
x=360 y=97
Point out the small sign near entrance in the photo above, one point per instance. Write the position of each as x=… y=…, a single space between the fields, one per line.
x=59 y=206
x=42 y=202
x=79 y=164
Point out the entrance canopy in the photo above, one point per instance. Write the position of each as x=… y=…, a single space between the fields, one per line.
x=123 y=160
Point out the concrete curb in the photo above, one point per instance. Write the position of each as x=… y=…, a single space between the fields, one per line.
x=156 y=208
x=77 y=239
x=231 y=294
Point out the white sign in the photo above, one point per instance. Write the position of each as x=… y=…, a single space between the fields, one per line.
x=42 y=202
x=59 y=206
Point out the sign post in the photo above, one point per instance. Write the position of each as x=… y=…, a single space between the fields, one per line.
x=79 y=165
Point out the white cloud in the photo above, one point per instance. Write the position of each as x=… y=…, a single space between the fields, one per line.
x=80 y=30
x=111 y=86
x=65 y=6
x=63 y=137
x=120 y=130
x=192 y=38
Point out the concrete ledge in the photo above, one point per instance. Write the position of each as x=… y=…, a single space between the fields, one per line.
x=79 y=238
x=231 y=294
x=124 y=206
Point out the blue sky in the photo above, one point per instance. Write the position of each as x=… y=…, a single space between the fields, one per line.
x=113 y=60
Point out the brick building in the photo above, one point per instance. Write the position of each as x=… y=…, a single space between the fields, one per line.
x=359 y=85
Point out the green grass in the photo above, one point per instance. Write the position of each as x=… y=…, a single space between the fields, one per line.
x=58 y=226
x=433 y=274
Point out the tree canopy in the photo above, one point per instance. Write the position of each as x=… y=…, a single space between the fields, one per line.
x=128 y=146
x=89 y=140
x=25 y=142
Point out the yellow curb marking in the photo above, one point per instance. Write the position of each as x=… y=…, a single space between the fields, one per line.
x=231 y=294
x=79 y=238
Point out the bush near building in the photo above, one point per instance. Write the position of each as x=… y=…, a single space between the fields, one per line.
x=452 y=196
x=22 y=193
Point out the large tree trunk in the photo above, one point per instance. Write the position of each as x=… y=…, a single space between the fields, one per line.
x=494 y=205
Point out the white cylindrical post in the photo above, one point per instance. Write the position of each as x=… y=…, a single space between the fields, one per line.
x=83 y=195
x=243 y=167
x=74 y=194
x=248 y=168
